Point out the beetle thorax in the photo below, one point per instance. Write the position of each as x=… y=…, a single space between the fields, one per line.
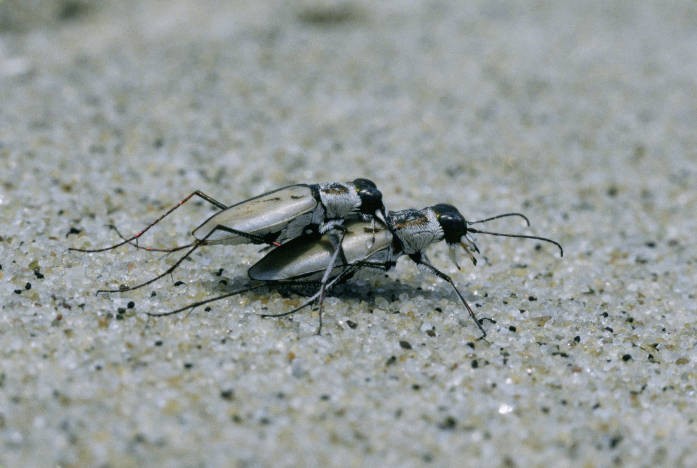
x=416 y=229
x=339 y=200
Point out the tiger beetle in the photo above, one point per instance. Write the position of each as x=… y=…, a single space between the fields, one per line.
x=272 y=218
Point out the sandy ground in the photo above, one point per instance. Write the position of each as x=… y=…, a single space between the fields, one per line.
x=580 y=114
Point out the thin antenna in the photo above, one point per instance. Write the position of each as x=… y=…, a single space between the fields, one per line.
x=521 y=236
x=504 y=215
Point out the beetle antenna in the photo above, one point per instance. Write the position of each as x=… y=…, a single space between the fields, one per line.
x=504 y=215
x=521 y=236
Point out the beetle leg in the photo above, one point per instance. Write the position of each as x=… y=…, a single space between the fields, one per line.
x=330 y=225
x=252 y=237
x=193 y=246
x=325 y=277
x=207 y=301
x=447 y=278
x=167 y=250
x=135 y=237
x=325 y=284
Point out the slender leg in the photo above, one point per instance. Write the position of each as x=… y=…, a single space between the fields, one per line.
x=314 y=297
x=135 y=238
x=372 y=239
x=447 y=278
x=193 y=246
x=297 y=309
x=325 y=277
x=135 y=244
x=207 y=301
x=255 y=239
x=347 y=272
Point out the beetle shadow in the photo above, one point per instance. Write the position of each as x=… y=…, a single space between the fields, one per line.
x=355 y=290
x=393 y=290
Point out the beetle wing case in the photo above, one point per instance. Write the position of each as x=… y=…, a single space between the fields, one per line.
x=283 y=211
x=307 y=258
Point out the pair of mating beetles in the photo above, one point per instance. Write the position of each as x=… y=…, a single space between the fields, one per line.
x=322 y=234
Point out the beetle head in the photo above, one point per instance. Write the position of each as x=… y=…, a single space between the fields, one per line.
x=455 y=230
x=451 y=220
x=371 y=198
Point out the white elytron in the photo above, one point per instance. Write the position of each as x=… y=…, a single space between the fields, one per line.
x=286 y=213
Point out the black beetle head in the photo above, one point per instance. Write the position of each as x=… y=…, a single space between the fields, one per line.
x=453 y=223
x=371 y=197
